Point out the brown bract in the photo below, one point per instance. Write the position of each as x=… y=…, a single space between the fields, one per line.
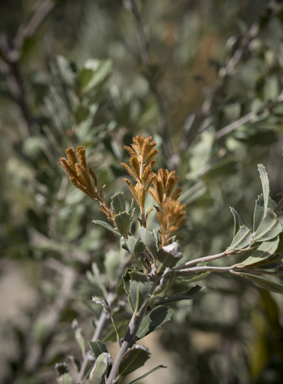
x=170 y=217
x=80 y=175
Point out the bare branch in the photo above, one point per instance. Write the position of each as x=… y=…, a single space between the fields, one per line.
x=247 y=118
x=163 y=122
x=29 y=28
x=9 y=66
x=224 y=75
x=203 y=259
x=52 y=316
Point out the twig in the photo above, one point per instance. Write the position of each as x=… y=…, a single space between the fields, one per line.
x=52 y=317
x=129 y=338
x=55 y=210
x=11 y=55
x=203 y=259
x=224 y=74
x=29 y=29
x=245 y=119
x=163 y=122
x=101 y=321
x=98 y=330
x=15 y=85
x=203 y=269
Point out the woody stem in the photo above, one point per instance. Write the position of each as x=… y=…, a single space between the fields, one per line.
x=142 y=186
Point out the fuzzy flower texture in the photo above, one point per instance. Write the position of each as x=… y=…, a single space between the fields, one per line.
x=169 y=211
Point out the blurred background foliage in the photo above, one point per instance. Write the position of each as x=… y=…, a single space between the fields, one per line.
x=71 y=73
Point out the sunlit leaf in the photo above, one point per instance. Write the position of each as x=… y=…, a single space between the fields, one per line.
x=99 y=369
x=263 y=283
x=237 y=220
x=269 y=227
x=259 y=210
x=242 y=239
x=264 y=251
x=265 y=185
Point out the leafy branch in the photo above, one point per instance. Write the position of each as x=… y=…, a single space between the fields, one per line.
x=159 y=254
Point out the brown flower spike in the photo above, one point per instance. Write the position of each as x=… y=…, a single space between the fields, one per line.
x=170 y=218
x=164 y=184
x=170 y=212
x=141 y=163
x=80 y=174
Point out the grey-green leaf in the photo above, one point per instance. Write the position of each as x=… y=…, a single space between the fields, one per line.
x=191 y=294
x=112 y=264
x=265 y=185
x=148 y=373
x=269 y=227
x=264 y=251
x=263 y=283
x=237 y=220
x=259 y=210
x=126 y=284
x=242 y=239
x=133 y=359
x=99 y=369
x=149 y=241
x=97 y=347
x=135 y=246
x=107 y=226
x=155 y=319
x=118 y=202
x=140 y=288
x=123 y=223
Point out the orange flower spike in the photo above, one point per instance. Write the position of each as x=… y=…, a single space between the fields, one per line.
x=171 y=218
x=70 y=169
x=81 y=155
x=176 y=194
x=130 y=151
x=135 y=165
x=147 y=171
x=71 y=156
